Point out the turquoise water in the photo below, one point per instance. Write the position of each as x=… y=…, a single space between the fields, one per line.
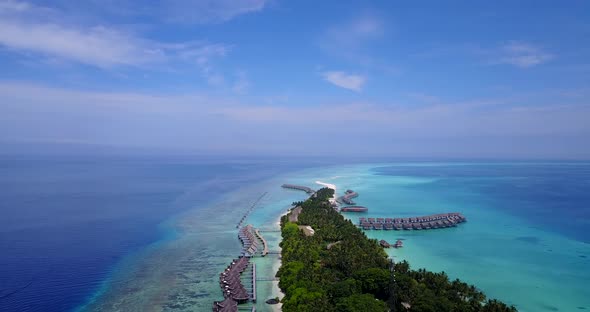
x=84 y=232
x=524 y=243
x=512 y=258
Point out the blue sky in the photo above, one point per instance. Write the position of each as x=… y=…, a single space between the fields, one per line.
x=389 y=78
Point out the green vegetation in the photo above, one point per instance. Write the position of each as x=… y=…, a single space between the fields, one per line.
x=356 y=275
x=428 y=291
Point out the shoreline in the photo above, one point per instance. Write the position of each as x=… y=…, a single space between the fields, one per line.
x=331 y=186
x=276 y=265
x=423 y=250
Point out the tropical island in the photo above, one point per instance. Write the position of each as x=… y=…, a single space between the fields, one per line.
x=338 y=268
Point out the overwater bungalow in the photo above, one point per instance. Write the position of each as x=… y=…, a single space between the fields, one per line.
x=398 y=244
x=384 y=244
x=416 y=223
x=227 y=305
x=354 y=209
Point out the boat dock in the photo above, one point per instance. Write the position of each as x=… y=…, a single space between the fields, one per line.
x=298 y=187
x=442 y=220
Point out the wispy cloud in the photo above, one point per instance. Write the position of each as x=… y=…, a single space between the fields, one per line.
x=353 y=34
x=208 y=11
x=13 y=6
x=357 y=41
x=521 y=54
x=211 y=122
x=106 y=47
x=97 y=46
x=241 y=83
x=344 y=80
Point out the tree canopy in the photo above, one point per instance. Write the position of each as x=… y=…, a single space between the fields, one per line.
x=355 y=274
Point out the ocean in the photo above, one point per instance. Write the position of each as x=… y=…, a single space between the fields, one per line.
x=152 y=234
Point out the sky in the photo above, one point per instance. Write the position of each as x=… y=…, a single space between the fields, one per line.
x=485 y=79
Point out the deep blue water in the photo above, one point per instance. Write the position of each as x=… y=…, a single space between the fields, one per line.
x=552 y=196
x=65 y=223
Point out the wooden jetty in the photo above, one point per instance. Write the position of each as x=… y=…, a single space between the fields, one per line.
x=347 y=197
x=264 y=244
x=354 y=209
x=230 y=280
x=441 y=220
x=298 y=187
x=250 y=210
x=249 y=241
x=267 y=279
x=253 y=297
x=232 y=287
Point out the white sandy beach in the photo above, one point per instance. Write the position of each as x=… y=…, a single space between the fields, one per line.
x=329 y=185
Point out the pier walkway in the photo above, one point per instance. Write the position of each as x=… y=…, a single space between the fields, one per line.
x=231 y=280
x=264 y=230
x=267 y=279
x=347 y=197
x=253 y=293
x=442 y=220
x=306 y=189
x=250 y=210
x=264 y=244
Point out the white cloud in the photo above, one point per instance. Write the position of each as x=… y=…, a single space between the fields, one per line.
x=203 y=56
x=96 y=46
x=13 y=6
x=344 y=80
x=522 y=54
x=241 y=83
x=208 y=11
x=211 y=122
x=353 y=34
x=99 y=46
x=356 y=40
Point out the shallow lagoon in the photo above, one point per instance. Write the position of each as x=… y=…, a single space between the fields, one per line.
x=515 y=259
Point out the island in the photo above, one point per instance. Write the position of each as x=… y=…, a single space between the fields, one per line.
x=339 y=268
